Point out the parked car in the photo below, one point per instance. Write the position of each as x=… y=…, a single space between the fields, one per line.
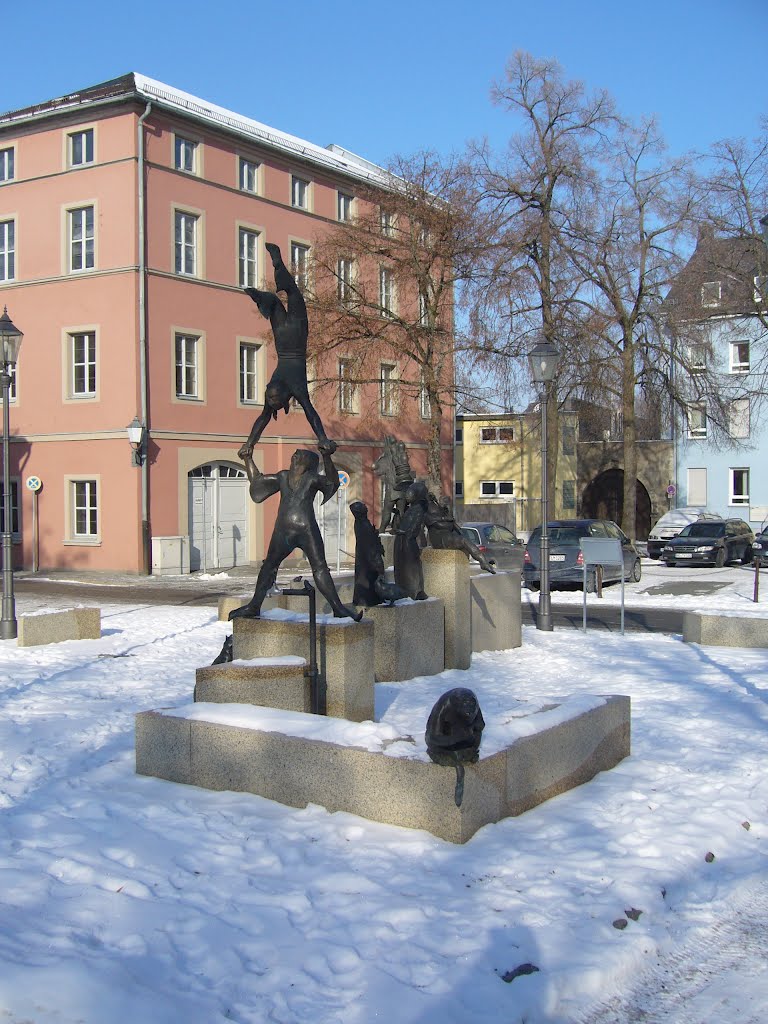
x=495 y=541
x=711 y=542
x=760 y=546
x=671 y=523
x=566 y=565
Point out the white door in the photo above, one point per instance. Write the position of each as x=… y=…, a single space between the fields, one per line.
x=332 y=520
x=218 y=517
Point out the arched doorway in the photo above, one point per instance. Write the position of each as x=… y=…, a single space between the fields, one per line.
x=218 y=516
x=603 y=498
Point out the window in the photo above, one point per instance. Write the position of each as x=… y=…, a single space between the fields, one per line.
x=82 y=363
x=458 y=436
x=738 y=418
x=81 y=148
x=249 y=373
x=710 y=293
x=7 y=164
x=299 y=193
x=7 y=250
x=300 y=264
x=14 y=508
x=458 y=489
x=569 y=494
x=425 y=405
x=496 y=435
x=82 y=241
x=387 y=221
x=760 y=294
x=347 y=389
x=388 y=385
x=248 y=258
x=697 y=420
x=344 y=206
x=248 y=177
x=697 y=358
x=185 y=155
x=386 y=292
x=739 y=486
x=84 y=509
x=12 y=386
x=185 y=243
x=187 y=366
x=345 y=276
x=739 y=357
x=569 y=440
x=423 y=310
x=497 y=488
x=697 y=487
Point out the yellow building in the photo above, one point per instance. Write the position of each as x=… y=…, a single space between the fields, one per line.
x=498 y=463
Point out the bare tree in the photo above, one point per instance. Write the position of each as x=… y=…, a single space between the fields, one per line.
x=386 y=281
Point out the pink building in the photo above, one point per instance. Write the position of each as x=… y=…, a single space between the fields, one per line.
x=131 y=216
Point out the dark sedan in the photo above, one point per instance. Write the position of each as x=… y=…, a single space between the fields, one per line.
x=496 y=542
x=566 y=565
x=760 y=547
x=711 y=543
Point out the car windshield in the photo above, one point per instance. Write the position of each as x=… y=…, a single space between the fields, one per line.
x=561 y=534
x=704 y=530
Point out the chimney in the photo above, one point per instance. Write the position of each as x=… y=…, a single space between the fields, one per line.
x=705 y=234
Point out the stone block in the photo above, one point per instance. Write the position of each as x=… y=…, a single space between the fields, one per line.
x=54 y=627
x=446 y=575
x=567 y=754
x=713 y=630
x=496 y=614
x=271 y=683
x=229 y=602
x=344 y=655
x=164 y=746
x=408 y=639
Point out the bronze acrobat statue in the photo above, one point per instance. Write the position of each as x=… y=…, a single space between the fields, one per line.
x=290 y=329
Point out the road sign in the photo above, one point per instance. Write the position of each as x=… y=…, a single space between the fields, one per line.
x=671 y=490
x=33 y=483
x=343 y=479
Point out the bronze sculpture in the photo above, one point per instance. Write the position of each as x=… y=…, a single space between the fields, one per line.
x=295 y=526
x=290 y=329
x=396 y=475
x=371 y=588
x=444 y=532
x=454 y=730
x=409 y=574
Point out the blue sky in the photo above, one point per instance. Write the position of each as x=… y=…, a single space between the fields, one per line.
x=400 y=75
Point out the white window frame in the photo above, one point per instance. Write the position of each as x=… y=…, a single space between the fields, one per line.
x=7 y=164
x=345 y=274
x=85 y=139
x=425 y=406
x=736 y=364
x=387 y=223
x=8 y=250
x=760 y=288
x=83 y=510
x=347 y=389
x=696 y=417
x=187 y=362
x=12 y=371
x=248 y=257
x=300 y=264
x=84 y=362
x=81 y=239
x=492 y=489
x=344 y=206
x=697 y=357
x=185 y=154
x=387 y=292
x=185 y=251
x=300 y=192
x=388 y=389
x=249 y=175
x=497 y=438
x=738 y=475
x=711 y=294
x=696 y=485
x=739 y=418
x=250 y=373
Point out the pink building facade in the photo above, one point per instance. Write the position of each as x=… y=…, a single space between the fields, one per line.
x=131 y=217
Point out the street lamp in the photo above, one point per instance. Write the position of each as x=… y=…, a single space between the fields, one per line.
x=543 y=362
x=135 y=432
x=10 y=338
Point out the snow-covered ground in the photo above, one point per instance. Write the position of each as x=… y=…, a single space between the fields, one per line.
x=639 y=896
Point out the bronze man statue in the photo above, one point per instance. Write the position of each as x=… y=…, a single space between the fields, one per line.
x=296 y=526
x=290 y=329
x=444 y=532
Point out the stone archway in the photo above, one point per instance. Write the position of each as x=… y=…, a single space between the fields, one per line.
x=603 y=498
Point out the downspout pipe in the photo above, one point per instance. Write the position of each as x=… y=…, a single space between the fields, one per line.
x=143 y=386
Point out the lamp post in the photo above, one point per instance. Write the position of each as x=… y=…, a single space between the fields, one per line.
x=10 y=338
x=135 y=432
x=543 y=362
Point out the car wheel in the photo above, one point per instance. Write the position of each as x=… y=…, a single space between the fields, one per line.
x=637 y=571
x=720 y=559
x=748 y=555
x=654 y=557
x=670 y=565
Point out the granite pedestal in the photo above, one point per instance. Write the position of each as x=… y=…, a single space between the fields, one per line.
x=54 y=627
x=496 y=611
x=408 y=639
x=273 y=683
x=446 y=575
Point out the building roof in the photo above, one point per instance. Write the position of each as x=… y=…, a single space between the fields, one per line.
x=333 y=158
